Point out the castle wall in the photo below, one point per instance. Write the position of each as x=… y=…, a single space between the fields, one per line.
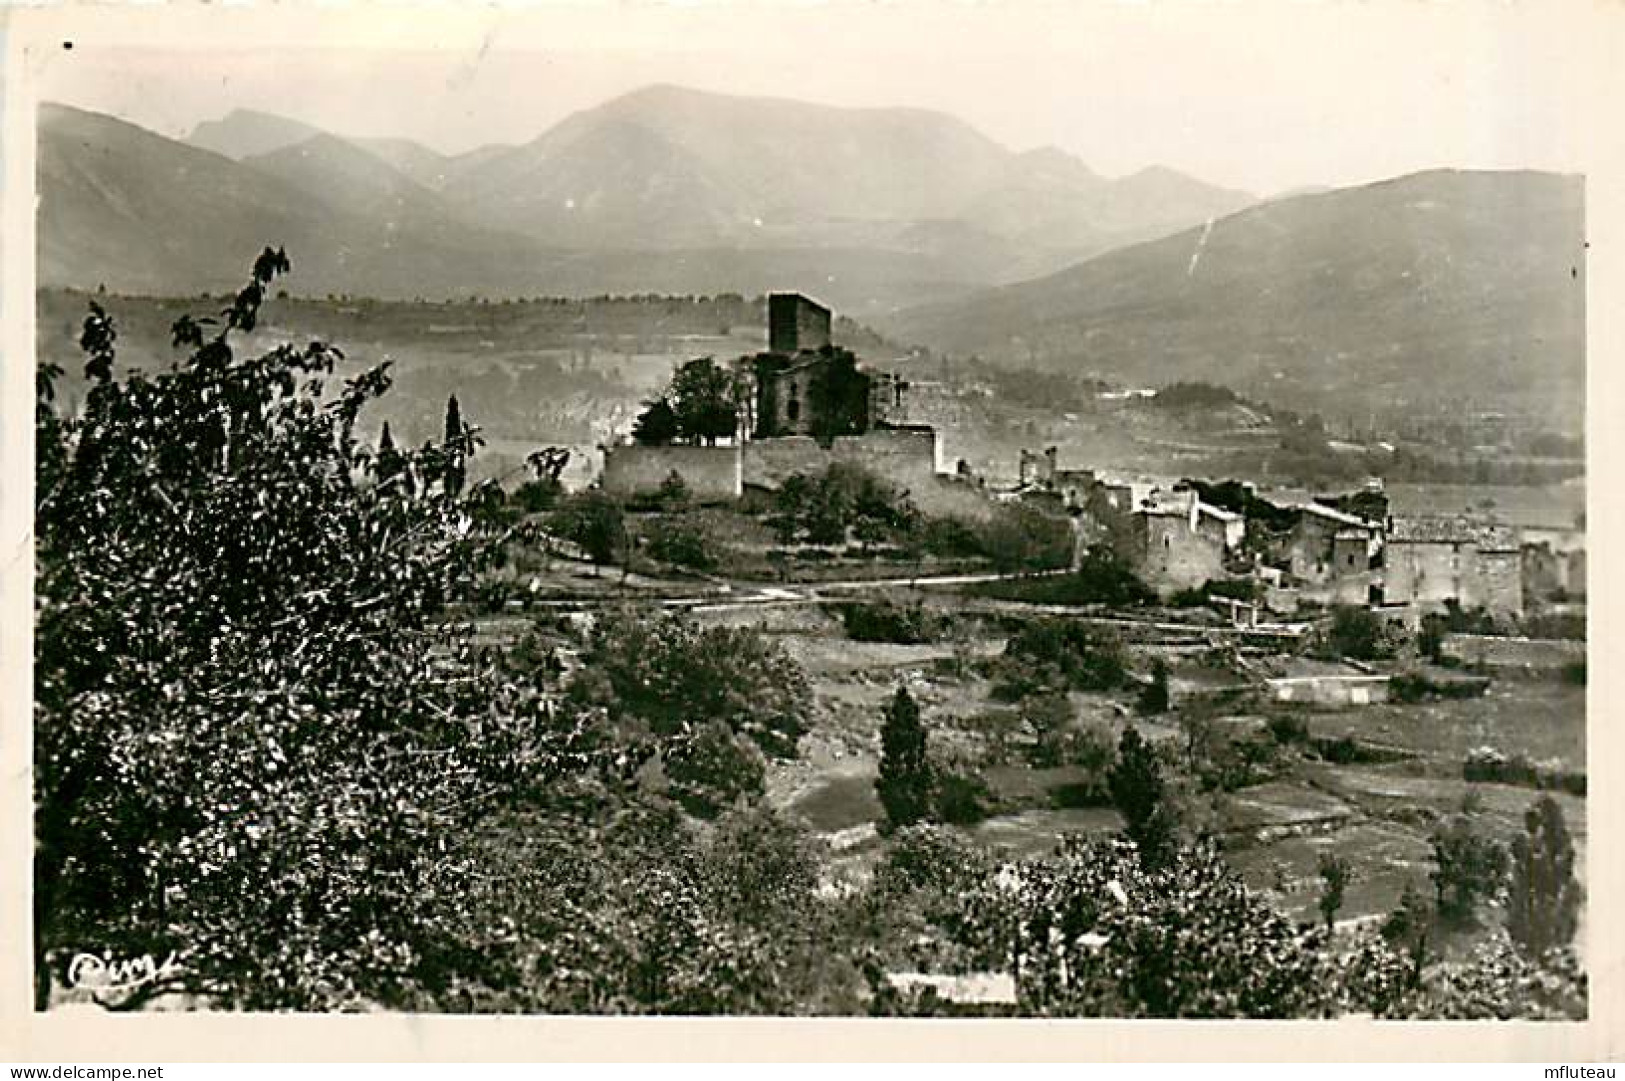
x=713 y=474
x=909 y=458
x=768 y=463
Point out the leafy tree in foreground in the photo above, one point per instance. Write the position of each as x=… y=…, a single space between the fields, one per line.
x=1544 y=895
x=252 y=732
x=1093 y=933
x=637 y=910
x=905 y=783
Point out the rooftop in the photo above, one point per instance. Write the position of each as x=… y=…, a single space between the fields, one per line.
x=1485 y=536
x=1321 y=510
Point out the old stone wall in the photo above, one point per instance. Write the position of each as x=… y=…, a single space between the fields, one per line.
x=906 y=457
x=1494 y=651
x=948 y=496
x=768 y=463
x=712 y=474
x=1331 y=690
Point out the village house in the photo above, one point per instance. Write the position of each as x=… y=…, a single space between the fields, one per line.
x=1325 y=543
x=1429 y=561
x=1175 y=541
x=1328 y=555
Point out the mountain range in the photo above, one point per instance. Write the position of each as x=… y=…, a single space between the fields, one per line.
x=1447 y=290
x=662 y=189
x=1435 y=290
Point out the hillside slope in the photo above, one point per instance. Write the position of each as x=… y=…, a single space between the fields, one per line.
x=1440 y=289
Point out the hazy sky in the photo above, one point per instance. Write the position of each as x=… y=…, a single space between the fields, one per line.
x=1259 y=96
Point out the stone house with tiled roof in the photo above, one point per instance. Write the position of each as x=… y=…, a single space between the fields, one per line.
x=1429 y=561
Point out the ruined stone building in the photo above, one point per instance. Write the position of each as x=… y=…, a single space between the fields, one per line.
x=796 y=324
x=1551 y=574
x=1429 y=561
x=806 y=385
x=811 y=405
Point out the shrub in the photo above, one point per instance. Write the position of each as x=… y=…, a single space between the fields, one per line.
x=1489 y=764
x=1409 y=927
x=959 y=799
x=1410 y=687
x=668 y=672
x=684 y=542
x=536 y=496
x=1470 y=868
x=1241 y=589
x=1564 y=625
x=888 y=621
x=947 y=538
x=1049 y=716
x=1335 y=873
x=1288 y=729
x=713 y=770
x=1154 y=695
x=594 y=521
x=825 y=507
x=1356 y=633
x=1068 y=651
x=1023 y=538
x=1453 y=620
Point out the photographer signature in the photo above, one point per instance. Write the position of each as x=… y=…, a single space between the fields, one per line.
x=108 y=973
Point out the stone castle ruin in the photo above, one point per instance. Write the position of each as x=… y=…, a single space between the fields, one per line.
x=811 y=403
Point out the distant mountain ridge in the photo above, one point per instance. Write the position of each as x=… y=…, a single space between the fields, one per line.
x=666 y=168
x=1440 y=290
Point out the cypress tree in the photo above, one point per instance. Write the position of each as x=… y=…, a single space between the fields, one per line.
x=904 y=785
x=1137 y=790
x=389 y=459
x=455 y=452
x=1543 y=897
